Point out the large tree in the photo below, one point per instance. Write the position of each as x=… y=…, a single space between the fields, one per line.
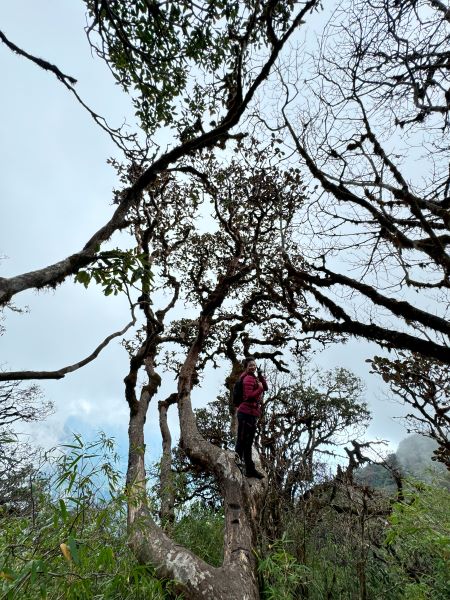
x=214 y=275
x=194 y=70
x=370 y=124
x=367 y=114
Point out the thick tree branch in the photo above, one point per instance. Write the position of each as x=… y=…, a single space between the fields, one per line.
x=56 y=273
x=384 y=337
x=400 y=308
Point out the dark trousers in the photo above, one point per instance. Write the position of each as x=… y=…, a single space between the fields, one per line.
x=245 y=437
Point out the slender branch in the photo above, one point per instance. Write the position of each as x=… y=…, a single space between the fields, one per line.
x=116 y=134
x=66 y=79
x=60 y=373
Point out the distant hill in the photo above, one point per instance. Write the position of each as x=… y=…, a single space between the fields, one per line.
x=413 y=458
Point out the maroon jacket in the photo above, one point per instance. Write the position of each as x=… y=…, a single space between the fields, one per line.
x=251 y=404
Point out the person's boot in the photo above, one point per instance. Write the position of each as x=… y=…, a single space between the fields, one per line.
x=252 y=472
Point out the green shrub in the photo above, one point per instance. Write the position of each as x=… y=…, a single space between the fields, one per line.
x=419 y=542
x=282 y=577
x=73 y=545
x=200 y=529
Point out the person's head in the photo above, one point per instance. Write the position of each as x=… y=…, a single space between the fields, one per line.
x=249 y=364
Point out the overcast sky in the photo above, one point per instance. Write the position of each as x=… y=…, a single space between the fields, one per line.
x=56 y=191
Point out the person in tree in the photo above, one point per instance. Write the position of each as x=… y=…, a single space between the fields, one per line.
x=249 y=410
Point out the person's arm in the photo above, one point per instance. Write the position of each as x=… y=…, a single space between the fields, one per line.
x=263 y=381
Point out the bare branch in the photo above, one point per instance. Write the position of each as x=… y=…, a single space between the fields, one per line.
x=60 y=373
x=66 y=79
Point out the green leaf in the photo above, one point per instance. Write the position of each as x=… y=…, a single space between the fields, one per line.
x=83 y=277
x=73 y=550
x=63 y=510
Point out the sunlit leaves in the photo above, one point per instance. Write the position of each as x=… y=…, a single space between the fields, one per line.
x=117 y=270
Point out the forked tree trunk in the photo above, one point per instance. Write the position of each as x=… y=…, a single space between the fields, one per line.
x=236 y=579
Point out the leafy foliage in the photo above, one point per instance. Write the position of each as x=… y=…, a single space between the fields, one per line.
x=72 y=543
x=419 y=534
x=283 y=577
x=347 y=549
x=117 y=270
x=157 y=50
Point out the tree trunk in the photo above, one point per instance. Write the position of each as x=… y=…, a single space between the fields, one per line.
x=236 y=579
x=166 y=479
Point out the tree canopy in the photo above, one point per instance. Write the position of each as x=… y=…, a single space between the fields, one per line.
x=270 y=198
